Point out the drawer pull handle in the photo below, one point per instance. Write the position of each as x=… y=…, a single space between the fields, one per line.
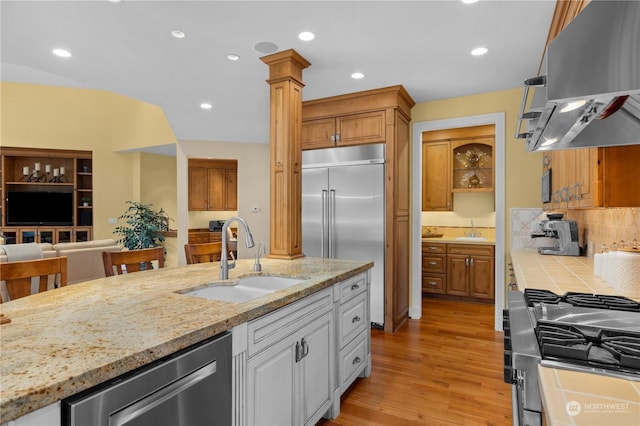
x=433 y=248
x=355 y=319
x=355 y=287
x=433 y=283
x=432 y=263
x=356 y=360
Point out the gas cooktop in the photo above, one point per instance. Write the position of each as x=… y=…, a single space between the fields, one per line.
x=584 y=300
x=597 y=332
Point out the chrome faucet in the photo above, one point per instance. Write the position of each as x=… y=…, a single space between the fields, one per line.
x=224 y=262
x=473 y=229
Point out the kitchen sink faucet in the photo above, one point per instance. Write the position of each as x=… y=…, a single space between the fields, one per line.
x=224 y=262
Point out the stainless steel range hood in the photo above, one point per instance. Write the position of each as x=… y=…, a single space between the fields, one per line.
x=590 y=95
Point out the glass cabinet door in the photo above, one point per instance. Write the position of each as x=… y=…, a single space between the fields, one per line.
x=64 y=235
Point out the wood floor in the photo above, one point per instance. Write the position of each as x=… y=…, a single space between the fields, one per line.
x=444 y=369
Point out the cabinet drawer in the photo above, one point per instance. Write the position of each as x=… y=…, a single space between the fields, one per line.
x=470 y=249
x=352 y=361
x=353 y=286
x=199 y=237
x=433 y=263
x=434 y=248
x=433 y=283
x=271 y=328
x=353 y=318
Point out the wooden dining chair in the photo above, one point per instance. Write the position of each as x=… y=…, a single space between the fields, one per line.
x=127 y=261
x=19 y=275
x=203 y=252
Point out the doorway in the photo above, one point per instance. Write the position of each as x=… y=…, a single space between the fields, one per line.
x=497 y=119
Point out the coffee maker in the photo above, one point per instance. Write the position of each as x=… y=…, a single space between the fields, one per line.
x=563 y=234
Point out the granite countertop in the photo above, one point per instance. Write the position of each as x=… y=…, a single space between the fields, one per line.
x=570 y=397
x=63 y=341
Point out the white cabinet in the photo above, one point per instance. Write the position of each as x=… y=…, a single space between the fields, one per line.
x=291 y=363
x=353 y=332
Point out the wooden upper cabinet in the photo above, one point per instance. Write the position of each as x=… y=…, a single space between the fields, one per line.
x=436 y=177
x=456 y=160
x=344 y=130
x=213 y=185
x=594 y=177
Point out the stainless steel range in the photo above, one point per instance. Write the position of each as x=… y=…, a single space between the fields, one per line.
x=583 y=332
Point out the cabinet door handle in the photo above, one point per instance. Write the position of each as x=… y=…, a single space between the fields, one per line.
x=431 y=283
x=298 y=352
x=337 y=137
x=471 y=262
x=305 y=348
x=433 y=248
x=466 y=262
x=355 y=319
x=333 y=138
x=432 y=263
x=355 y=287
x=356 y=360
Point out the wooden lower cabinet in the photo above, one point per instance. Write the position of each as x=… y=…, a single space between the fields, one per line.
x=459 y=271
x=434 y=267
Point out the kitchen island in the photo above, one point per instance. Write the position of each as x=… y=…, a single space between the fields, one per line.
x=571 y=397
x=61 y=342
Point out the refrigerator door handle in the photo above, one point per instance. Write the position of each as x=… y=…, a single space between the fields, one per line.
x=332 y=218
x=323 y=229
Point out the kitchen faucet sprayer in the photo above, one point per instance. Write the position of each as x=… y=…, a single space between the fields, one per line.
x=224 y=262
x=257 y=267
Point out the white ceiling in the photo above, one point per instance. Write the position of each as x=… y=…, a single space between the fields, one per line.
x=127 y=48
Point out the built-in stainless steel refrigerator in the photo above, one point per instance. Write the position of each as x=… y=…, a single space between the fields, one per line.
x=343 y=210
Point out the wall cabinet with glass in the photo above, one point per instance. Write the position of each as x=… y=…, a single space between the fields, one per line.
x=213 y=185
x=46 y=195
x=456 y=160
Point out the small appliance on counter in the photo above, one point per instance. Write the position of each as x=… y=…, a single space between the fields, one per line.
x=562 y=234
x=216 y=225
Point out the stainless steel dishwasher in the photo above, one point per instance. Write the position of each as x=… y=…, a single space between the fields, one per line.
x=189 y=388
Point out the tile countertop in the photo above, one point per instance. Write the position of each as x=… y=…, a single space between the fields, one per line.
x=69 y=339
x=569 y=397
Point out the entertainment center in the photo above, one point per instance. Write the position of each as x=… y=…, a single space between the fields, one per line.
x=46 y=195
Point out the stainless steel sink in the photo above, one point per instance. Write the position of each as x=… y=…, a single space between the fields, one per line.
x=248 y=288
x=471 y=238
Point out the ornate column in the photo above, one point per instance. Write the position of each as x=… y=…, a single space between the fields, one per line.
x=285 y=79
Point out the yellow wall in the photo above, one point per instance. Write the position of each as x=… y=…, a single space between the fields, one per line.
x=37 y=116
x=522 y=169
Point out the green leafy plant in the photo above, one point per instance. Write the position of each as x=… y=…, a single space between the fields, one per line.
x=145 y=226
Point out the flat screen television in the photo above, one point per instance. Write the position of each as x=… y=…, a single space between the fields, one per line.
x=39 y=208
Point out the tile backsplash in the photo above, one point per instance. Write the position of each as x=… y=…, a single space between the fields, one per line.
x=597 y=226
x=605 y=226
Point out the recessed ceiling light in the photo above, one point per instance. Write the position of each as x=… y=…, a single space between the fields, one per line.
x=115 y=1
x=233 y=57
x=573 y=105
x=357 y=75
x=206 y=105
x=479 y=51
x=178 y=34
x=62 y=53
x=469 y=1
x=306 y=36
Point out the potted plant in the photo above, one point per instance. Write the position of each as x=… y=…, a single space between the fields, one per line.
x=144 y=226
x=85 y=201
